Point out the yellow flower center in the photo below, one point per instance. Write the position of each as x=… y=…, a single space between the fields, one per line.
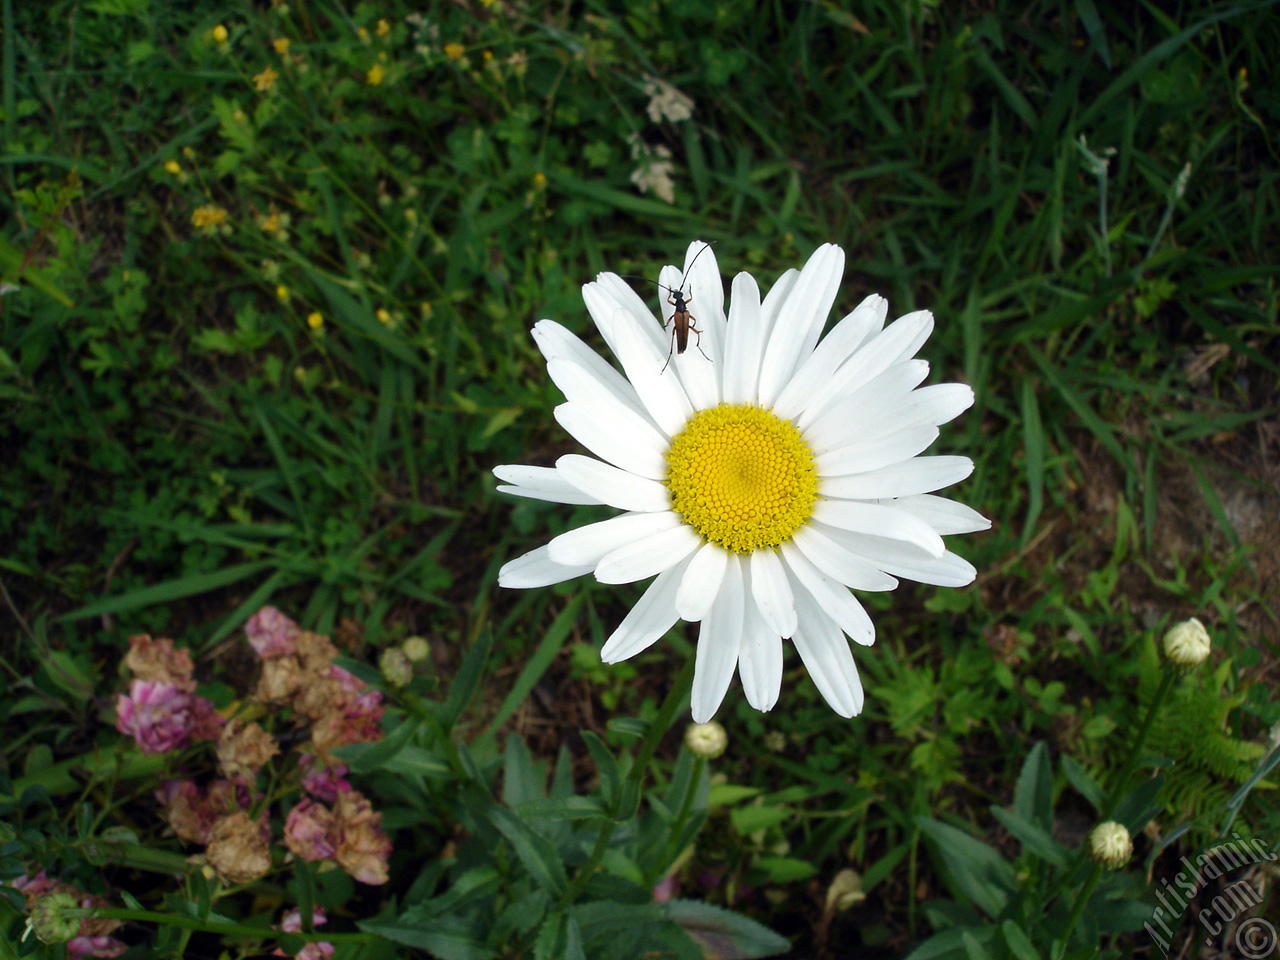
x=741 y=477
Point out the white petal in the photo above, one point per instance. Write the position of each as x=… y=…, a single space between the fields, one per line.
x=579 y=385
x=926 y=407
x=719 y=640
x=862 y=456
x=652 y=616
x=829 y=660
x=947 y=570
x=759 y=661
x=836 y=347
x=539 y=483
x=776 y=297
x=557 y=343
x=834 y=598
x=744 y=342
x=604 y=483
x=875 y=518
x=628 y=299
x=856 y=414
x=648 y=556
x=608 y=313
x=701 y=582
x=883 y=351
x=588 y=544
x=772 y=592
x=801 y=319
x=536 y=569
x=945 y=516
x=839 y=563
x=917 y=475
x=617 y=436
x=905 y=560
x=658 y=390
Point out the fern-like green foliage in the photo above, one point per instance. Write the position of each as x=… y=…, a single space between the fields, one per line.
x=1193 y=729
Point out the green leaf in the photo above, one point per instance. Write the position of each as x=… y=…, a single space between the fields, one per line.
x=1033 y=795
x=559 y=939
x=977 y=871
x=521 y=779
x=166 y=592
x=1018 y=941
x=538 y=856
x=723 y=934
x=786 y=869
x=1033 y=839
x=607 y=765
x=442 y=944
x=751 y=819
x=467 y=681
x=1085 y=785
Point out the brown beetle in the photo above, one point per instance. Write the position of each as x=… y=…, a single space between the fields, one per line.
x=681 y=323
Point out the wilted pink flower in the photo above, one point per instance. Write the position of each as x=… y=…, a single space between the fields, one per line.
x=310 y=831
x=100 y=946
x=33 y=887
x=324 y=782
x=159 y=660
x=359 y=721
x=348 y=681
x=157 y=715
x=292 y=923
x=363 y=848
x=666 y=889
x=271 y=633
x=206 y=722
x=192 y=811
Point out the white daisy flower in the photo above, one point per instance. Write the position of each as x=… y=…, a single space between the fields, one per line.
x=762 y=475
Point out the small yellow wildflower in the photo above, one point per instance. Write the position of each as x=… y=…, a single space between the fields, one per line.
x=174 y=167
x=282 y=293
x=539 y=180
x=383 y=28
x=488 y=3
x=454 y=51
x=363 y=34
x=219 y=34
x=265 y=80
x=270 y=224
x=375 y=75
x=314 y=320
x=281 y=45
x=208 y=218
x=383 y=315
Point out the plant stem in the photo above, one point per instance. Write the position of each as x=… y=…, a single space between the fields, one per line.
x=1078 y=907
x=225 y=929
x=1122 y=785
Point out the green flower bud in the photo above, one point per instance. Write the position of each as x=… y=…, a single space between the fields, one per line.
x=416 y=649
x=49 y=918
x=395 y=667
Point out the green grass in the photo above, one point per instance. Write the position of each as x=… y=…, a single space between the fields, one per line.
x=181 y=447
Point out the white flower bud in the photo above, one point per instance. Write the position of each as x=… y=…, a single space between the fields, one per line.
x=706 y=740
x=1110 y=844
x=1187 y=643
